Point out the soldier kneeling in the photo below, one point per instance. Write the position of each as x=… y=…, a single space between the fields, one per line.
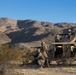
x=41 y=59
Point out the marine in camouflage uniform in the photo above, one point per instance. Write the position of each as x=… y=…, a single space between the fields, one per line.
x=44 y=51
x=40 y=59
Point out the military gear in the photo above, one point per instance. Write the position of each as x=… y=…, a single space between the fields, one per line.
x=41 y=63
x=44 y=47
x=40 y=55
x=44 y=51
x=41 y=58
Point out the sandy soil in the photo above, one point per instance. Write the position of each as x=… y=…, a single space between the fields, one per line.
x=43 y=71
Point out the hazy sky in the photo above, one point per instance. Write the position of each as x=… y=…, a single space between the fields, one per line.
x=40 y=10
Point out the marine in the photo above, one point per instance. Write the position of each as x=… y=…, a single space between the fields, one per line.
x=44 y=51
x=42 y=55
x=41 y=59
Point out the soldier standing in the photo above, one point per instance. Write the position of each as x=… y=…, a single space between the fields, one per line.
x=44 y=47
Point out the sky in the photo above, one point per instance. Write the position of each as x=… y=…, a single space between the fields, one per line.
x=54 y=11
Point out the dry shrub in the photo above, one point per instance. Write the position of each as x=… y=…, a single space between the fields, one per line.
x=7 y=54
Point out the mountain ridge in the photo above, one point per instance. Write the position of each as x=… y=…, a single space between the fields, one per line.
x=32 y=32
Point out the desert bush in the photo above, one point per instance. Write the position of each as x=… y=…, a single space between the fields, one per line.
x=9 y=53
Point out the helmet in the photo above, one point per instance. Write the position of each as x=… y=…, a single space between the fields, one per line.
x=42 y=43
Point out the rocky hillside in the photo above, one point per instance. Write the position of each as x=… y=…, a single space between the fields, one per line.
x=4 y=38
x=30 y=32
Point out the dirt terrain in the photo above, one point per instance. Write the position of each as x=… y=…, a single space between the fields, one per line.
x=45 y=71
x=34 y=70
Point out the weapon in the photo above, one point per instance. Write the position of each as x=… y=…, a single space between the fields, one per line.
x=36 y=47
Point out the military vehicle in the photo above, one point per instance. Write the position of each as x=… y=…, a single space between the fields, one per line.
x=63 y=50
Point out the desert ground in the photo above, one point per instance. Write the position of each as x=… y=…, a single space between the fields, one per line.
x=34 y=70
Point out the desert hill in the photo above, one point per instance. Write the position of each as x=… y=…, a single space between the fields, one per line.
x=4 y=38
x=30 y=32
